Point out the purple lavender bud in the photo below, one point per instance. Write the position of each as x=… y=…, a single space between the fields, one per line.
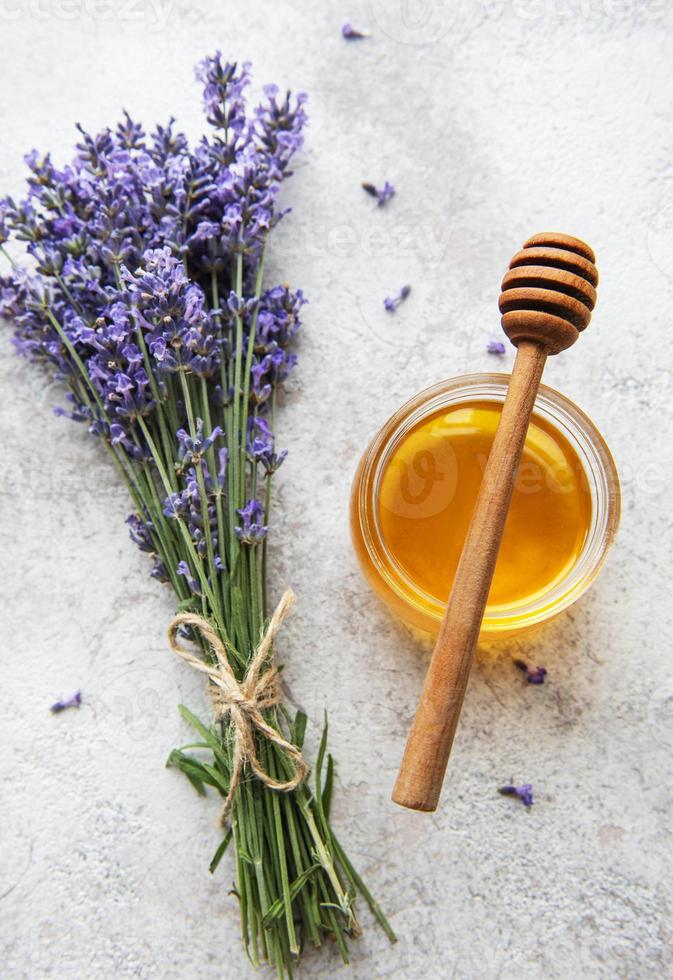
x=4 y=228
x=192 y=449
x=351 y=34
x=223 y=98
x=279 y=128
x=260 y=377
x=159 y=571
x=252 y=531
x=534 y=675
x=495 y=347
x=71 y=702
x=383 y=195
x=140 y=532
x=523 y=793
x=260 y=445
x=392 y=302
x=234 y=303
x=222 y=460
x=184 y=570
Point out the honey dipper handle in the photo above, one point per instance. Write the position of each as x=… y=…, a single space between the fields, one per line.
x=421 y=774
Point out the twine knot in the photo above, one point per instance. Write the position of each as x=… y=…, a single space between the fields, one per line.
x=243 y=702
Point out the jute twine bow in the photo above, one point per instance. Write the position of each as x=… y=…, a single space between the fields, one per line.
x=244 y=702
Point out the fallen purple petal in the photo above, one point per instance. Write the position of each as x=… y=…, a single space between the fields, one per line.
x=523 y=793
x=72 y=702
x=534 y=675
x=350 y=33
x=392 y=302
x=383 y=195
x=496 y=347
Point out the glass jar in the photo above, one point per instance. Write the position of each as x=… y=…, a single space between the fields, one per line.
x=411 y=601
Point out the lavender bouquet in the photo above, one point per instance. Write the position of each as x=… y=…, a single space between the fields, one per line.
x=146 y=299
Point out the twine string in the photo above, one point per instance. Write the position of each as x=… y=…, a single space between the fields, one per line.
x=243 y=703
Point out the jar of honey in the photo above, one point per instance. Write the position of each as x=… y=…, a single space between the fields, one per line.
x=415 y=489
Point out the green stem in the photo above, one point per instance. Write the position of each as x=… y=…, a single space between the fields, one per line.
x=77 y=360
x=197 y=564
x=282 y=859
x=204 y=500
x=222 y=528
x=267 y=506
x=239 y=437
x=233 y=544
x=343 y=900
x=248 y=365
x=166 y=441
x=364 y=891
x=5 y=253
x=141 y=503
x=69 y=296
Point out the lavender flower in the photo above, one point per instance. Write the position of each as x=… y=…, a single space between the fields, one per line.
x=534 y=675
x=72 y=702
x=223 y=95
x=184 y=570
x=146 y=301
x=251 y=531
x=140 y=532
x=279 y=130
x=187 y=506
x=261 y=445
x=240 y=306
x=193 y=448
x=125 y=193
x=126 y=262
x=4 y=229
x=278 y=319
x=169 y=310
x=260 y=388
x=391 y=303
x=523 y=793
x=215 y=482
x=382 y=195
x=349 y=33
x=495 y=347
x=159 y=571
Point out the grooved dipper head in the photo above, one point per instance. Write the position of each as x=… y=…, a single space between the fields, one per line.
x=549 y=291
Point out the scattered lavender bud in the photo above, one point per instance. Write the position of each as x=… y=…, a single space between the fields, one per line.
x=383 y=195
x=534 y=675
x=392 y=302
x=72 y=702
x=523 y=793
x=496 y=347
x=349 y=33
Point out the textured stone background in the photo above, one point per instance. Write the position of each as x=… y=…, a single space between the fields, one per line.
x=494 y=120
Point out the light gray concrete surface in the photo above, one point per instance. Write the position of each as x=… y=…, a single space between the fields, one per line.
x=494 y=120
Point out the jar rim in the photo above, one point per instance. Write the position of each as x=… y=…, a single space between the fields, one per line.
x=565 y=417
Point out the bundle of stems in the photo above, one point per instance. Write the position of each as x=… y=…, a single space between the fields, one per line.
x=146 y=299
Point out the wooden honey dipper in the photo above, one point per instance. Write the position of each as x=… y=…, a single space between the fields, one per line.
x=547 y=297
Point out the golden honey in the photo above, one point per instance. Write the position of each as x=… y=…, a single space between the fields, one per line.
x=428 y=491
x=417 y=484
